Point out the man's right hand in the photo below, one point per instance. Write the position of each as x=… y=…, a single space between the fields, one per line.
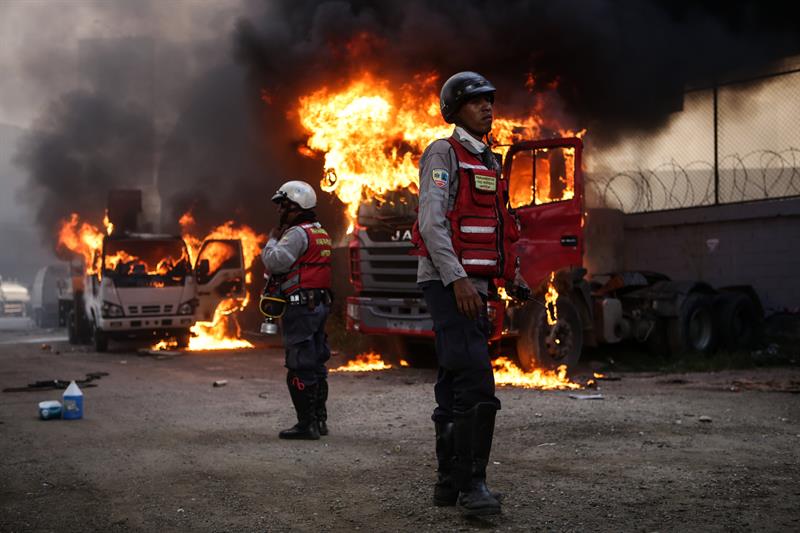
x=468 y=300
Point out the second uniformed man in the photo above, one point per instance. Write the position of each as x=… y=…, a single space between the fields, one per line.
x=297 y=258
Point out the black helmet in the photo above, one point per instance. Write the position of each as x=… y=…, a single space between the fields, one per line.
x=460 y=88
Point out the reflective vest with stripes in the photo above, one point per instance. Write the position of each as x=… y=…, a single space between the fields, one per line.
x=482 y=229
x=312 y=270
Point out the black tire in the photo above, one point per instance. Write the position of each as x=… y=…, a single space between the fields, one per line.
x=692 y=332
x=535 y=345
x=100 y=339
x=72 y=329
x=182 y=339
x=738 y=321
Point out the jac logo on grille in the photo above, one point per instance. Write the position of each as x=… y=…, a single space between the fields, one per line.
x=400 y=235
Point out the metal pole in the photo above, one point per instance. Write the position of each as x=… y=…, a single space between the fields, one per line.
x=716 y=145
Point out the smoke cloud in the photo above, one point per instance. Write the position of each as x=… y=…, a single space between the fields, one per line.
x=209 y=117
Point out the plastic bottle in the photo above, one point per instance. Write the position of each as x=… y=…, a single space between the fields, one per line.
x=73 y=402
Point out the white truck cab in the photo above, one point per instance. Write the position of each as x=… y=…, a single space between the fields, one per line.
x=145 y=287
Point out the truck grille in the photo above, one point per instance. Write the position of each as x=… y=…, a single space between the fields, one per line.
x=386 y=266
x=147 y=309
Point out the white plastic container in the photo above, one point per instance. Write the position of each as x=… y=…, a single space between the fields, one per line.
x=49 y=410
x=73 y=402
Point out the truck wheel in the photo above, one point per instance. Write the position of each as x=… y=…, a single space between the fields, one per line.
x=540 y=345
x=737 y=320
x=183 y=338
x=693 y=331
x=100 y=339
x=72 y=329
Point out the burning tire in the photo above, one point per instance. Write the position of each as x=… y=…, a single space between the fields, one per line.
x=738 y=321
x=540 y=345
x=693 y=331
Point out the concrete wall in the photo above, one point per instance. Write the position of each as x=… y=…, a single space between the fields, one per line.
x=755 y=244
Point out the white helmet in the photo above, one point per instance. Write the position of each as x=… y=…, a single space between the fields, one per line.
x=298 y=192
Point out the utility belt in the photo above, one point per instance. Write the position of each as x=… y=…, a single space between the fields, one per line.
x=275 y=305
x=310 y=297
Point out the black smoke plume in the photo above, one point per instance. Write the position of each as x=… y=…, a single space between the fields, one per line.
x=615 y=67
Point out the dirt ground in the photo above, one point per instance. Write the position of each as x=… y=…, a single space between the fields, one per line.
x=161 y=449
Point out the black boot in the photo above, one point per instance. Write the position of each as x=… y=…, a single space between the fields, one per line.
x=473 y=433
x=445 y=492
x=322 y=411
x=303 y=398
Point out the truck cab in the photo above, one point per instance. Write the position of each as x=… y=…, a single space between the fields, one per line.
x=144 y=286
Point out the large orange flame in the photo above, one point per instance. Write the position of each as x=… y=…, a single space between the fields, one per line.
x=365 y=362
x=508 y=374
x=373 y=133
x=83 y=239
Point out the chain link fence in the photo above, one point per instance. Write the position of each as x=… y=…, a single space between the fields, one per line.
x=736 y=142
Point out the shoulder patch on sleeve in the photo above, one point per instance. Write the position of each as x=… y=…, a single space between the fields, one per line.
x=440 y=177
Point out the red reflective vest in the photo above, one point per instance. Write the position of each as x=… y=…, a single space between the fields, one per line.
x=312 y=270
x=482 y=229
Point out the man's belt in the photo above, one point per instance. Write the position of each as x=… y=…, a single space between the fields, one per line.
x=310 y=297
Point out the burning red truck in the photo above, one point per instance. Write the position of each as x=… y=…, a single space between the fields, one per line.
x=371 y=138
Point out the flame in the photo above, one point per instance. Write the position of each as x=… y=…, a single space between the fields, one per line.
x=507 y=373
x=404 y=363
x=365 y=362
x=83 y=239
x=372 y=134
x=223 y=332
x=107 y=223
x=550 y=298
x=501 y=292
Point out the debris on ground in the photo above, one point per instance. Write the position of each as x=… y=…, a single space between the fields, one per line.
x=160 y=354
x=220 y=383
x=705 y=419
x=587 y=396
x=58 y=384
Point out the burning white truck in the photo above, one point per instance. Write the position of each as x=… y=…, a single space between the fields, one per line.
x=147 y=288
x=153 y=286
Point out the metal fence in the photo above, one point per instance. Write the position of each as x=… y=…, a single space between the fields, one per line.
x=735 y=142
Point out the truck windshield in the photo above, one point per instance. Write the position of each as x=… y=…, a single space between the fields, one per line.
x=144 y=262
x=396 y=208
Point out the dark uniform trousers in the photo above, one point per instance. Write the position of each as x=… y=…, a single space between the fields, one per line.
x=306 y=343
x=465 y=376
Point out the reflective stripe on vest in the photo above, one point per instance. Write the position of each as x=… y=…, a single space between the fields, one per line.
x=478 y=229
x=479 y=262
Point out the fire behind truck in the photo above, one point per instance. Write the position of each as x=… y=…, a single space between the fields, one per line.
x=546 y=191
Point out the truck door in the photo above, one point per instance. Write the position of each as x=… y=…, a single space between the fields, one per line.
x=546 y=190
x=219 y=271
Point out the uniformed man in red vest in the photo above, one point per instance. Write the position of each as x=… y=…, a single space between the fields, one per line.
x=297 y=258
x=464 y=235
